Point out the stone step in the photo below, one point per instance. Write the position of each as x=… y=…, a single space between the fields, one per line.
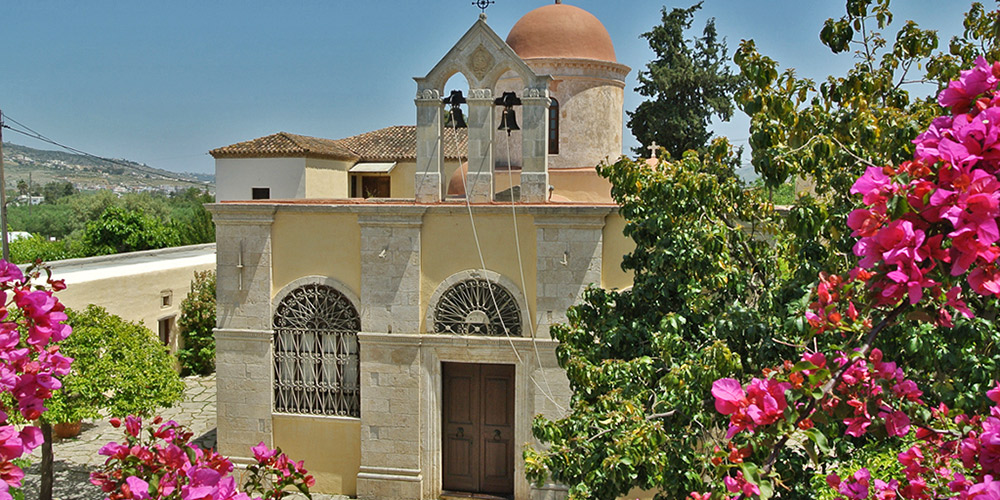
x=462 y=495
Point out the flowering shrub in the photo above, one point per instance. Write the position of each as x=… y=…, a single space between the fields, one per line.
x=928 y=233
x=161 y=463
x=31 y=320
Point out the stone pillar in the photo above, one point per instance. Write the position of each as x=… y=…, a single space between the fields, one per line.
x=390 y=269
x=390 y=418
x=479 y=182
x=243 y=338
x=535 y=144
x=429 y=183
x=569 y=259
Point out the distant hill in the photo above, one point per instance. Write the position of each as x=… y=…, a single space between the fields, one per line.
x=87 y=173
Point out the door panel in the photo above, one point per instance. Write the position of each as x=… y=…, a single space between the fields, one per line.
x=478 y=421
x=498 y=429
x=461 y=427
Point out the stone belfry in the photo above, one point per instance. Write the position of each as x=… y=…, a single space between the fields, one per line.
x=483 y=58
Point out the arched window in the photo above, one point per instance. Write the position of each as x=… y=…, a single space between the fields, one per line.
x=477 y=307
x=316 y=365
x=553 y=127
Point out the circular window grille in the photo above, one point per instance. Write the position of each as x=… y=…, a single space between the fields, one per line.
x=477 y=307
x=316 y=364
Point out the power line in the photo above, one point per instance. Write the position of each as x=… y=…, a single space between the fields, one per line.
x=35 y=135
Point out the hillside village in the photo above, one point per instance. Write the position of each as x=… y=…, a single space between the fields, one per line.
x=88 y=174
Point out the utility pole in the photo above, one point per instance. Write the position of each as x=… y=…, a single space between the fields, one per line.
x=3 y=198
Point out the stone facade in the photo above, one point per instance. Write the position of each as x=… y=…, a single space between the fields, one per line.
x=390 y=270
x=243 y=336
x=569 y=259
x=400 y=360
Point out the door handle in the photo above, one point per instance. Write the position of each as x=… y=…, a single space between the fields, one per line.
x=461 y=432
x=496 y=435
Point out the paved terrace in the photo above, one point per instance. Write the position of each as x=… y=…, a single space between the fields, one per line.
x=75 y=458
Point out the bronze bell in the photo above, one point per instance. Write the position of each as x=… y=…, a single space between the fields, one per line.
x=508 y=121
x=455 y=100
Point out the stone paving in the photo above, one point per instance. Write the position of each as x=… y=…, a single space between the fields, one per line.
x=75 y=458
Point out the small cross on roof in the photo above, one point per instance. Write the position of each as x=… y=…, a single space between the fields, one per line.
x=653 y=148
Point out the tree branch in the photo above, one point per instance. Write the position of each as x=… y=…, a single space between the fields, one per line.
x=828 y=387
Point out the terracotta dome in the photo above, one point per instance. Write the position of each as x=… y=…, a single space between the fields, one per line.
x=456 y=185
x=561 y=31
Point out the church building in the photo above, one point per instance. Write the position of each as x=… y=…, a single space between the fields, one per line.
x=384 y=300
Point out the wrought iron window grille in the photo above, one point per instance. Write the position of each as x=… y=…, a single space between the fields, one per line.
x=468 y=308
x=316 y=363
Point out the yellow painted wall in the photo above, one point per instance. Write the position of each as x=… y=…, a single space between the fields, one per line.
x=504 y=179
x=327 y=178
x=447 y=247
x=330 y=447
x=580 y=184
x=616 y=245
x=133 y=299
x=306 y=244
x=401 y=180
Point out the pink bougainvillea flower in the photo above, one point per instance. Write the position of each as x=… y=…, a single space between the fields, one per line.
x=729 y=395
x=10 y=272
x=133 y=425
x=874 y=186
x=262 y=453
x=138 y=489
x=897 y=423
x=960 y=93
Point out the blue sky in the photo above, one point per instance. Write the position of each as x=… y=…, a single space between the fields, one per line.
x=164 y=82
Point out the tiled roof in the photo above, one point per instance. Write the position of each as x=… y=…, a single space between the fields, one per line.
x=284 y=145
x=398 y=143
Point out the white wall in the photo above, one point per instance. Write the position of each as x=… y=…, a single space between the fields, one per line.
x=132 y=285
x=235 y=176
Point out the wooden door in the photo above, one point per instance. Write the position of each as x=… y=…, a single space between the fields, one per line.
x=478 y=428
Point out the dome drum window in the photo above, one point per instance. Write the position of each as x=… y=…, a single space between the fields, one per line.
x=316 y=363
x=477 y=306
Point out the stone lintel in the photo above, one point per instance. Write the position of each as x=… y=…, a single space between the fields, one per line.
x=243 y=334
x=242 y=213
x=570 y=221
x=444 y=340
x=392 y=218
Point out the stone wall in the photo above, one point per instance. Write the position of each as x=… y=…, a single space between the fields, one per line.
x=390 y=270
x=243 y=336
x=569 y=260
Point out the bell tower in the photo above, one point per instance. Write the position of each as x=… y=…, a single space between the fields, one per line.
x=482 y=57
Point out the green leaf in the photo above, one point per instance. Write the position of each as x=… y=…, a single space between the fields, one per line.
x=819 y=438
x=804 y=365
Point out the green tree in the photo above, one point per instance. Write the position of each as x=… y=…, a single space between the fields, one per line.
x=689 y=81
x=58 y=189
x=120 y=230
x=119 y=367
x=189 y=216
x=721 y=284
x=196 y=323
x=704 y=304
x=28 y=250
